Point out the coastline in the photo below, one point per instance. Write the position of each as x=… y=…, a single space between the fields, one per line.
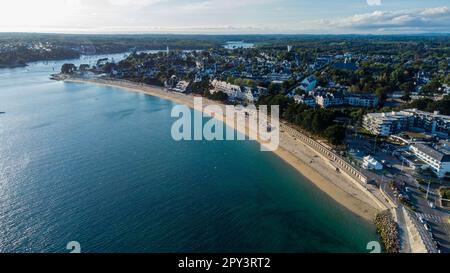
x=320 y=172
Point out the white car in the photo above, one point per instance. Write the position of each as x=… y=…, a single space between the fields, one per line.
x=427 y=227
x=422 y=220
x=432 y=205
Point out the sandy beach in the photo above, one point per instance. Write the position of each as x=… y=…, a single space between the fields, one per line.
x=310 y=164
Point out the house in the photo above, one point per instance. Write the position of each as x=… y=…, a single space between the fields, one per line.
x=252 y=94
x=308 y=84
x=305 y=99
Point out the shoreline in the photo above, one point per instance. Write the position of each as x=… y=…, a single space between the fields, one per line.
x=320 y=173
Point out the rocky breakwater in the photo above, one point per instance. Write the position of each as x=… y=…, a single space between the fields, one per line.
x=388 y=230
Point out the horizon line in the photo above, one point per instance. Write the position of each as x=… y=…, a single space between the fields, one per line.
x=229 y=34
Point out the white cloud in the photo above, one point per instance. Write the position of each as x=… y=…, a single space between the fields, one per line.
x=374 y=2
x=431 y=19
x=133 y=3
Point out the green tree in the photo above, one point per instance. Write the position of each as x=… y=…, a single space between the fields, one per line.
x=68 y=68
x=335 y=134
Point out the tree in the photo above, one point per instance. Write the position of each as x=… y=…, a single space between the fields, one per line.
x=218 y=96
x=84 y=67
x=274 y=88
x=382 y=93
x=68 y=68
x=432 y=87
x=335 y=134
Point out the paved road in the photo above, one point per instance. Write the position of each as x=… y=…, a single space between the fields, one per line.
x=435 y=218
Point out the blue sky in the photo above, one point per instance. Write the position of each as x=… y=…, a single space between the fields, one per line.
x=226 y=16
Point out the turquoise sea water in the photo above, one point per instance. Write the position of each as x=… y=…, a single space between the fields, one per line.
x=97 y=165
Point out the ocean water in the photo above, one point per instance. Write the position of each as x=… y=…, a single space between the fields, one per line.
x=97 y=165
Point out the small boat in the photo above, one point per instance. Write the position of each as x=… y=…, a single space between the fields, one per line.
x=2 y=113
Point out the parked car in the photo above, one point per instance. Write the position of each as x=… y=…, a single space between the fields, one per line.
x=422 y=220
x=432 y=205
x=427 y=227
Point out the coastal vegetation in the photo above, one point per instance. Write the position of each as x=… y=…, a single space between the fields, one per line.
x=18 y=49
x=320 y=122
x=21 y=55
x=388 y=230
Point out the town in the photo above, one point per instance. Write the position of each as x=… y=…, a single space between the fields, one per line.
x=385 y=114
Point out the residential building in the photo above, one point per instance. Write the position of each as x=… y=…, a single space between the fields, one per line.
x=233 y=91
x=238 y=93
x=362 y=100
x=433 y=123
x=181 y=86
x=330 y=100
x=308 y=84
x=386 y=124
x=304 y=99
x=438 y=159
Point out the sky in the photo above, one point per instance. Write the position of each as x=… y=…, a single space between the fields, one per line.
x=226 y=16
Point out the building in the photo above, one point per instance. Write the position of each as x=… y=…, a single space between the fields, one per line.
x=330 y=100
x=386 y=124
x=362 y=100
x=304 y=99
x=252 y=94
x=308 y=84
x=370 y=163
x=438 y=159
x=233 y=91
x=181 y=86
x=238 y=93
x=433 y=123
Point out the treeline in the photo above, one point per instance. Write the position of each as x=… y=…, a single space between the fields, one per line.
x=72 y=46
x=320 y=122
x=22 y=55
x=429 y=105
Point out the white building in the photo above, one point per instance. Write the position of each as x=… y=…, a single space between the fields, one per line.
x=181 y=87
x=233 y=91
x=437 y=159
x=238 y=93
x=386 y=124
x=370 y=163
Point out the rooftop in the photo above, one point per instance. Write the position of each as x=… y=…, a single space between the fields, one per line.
x=440 y=154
